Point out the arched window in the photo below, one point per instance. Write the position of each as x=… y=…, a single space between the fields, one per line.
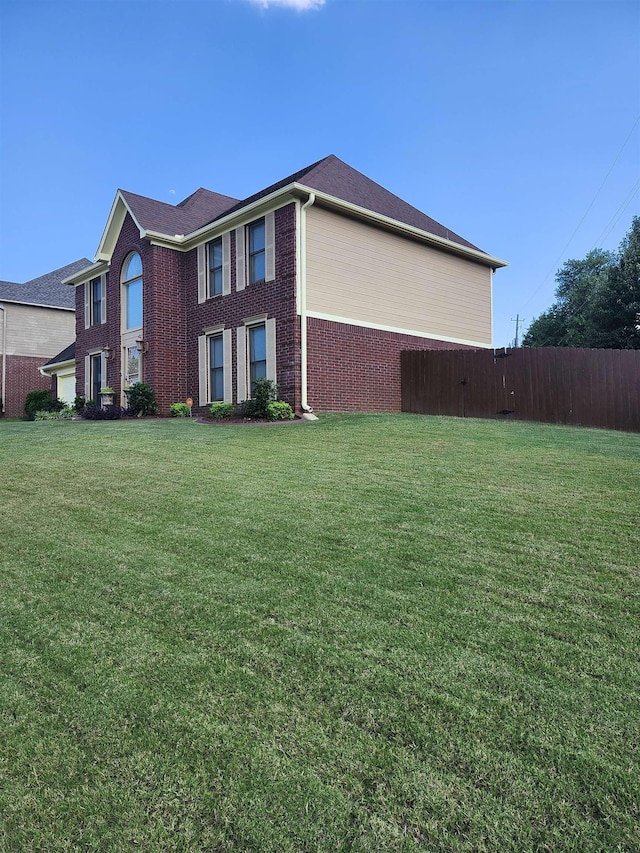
x=132 y=291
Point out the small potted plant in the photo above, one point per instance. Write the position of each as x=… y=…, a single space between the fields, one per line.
x=106 y=397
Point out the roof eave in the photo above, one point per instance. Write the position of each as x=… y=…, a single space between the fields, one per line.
x=47 y=369
x=36 y=304
x=87 y=273
x=409 y=230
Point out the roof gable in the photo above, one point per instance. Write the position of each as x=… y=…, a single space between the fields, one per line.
x=336 y=178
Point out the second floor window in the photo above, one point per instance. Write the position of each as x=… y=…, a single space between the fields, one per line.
x=256 y=252
x=95 y=301
x=132 y=291
x=215 y=267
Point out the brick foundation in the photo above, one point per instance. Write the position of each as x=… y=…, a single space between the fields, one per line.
x=353 y=369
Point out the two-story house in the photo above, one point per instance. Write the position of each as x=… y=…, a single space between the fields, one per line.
x=37 y=319
x=317 y=282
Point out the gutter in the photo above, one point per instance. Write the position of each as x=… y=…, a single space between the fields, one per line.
x=303 y=303
x=4 y=358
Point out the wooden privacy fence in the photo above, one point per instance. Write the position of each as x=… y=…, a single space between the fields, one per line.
x=590 y=387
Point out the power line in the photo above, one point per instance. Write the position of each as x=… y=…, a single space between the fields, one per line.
x=568 y=243
x=616 y=216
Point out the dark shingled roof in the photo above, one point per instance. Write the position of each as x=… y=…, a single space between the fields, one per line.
x=46 y=289
x=198 y=209
x=334 y=177
x=67 y=354
x=329 y=175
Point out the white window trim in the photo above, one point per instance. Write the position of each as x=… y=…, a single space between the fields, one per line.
x=242 y=352
x=204 y=373
x=87 y=371
x=88 y=301
x=202 y=254
x=242 y=250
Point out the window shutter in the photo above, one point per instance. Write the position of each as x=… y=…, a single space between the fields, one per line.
x=270 y=246
x=202 y=273
x=87 y=375
x=271 y=348
x=103 y=304
x=226 y=264
x=203 y=364
x=87 y=308
x=242 y=363
x=226 y=344
x=240 y=275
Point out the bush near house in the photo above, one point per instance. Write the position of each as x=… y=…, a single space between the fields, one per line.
x=41 y=401
x=179 y=410
x=264 y=403
x=142 y=400
x=221 y=411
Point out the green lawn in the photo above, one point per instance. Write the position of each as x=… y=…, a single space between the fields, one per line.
x=371 y=633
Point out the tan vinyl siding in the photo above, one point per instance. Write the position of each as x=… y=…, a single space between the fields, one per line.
x=39 y=332
x=366 y=275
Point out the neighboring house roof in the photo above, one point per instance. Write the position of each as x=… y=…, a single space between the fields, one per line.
x=46 y=290
x=198 y=209
x=336 y=178
x=67 y=354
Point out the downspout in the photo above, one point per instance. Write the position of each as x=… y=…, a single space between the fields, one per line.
x=4 y=358
x=303 y=303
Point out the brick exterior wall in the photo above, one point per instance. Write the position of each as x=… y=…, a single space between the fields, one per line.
x=22 y=376
x=275 y=298
x=173 y=319
x=353 y=369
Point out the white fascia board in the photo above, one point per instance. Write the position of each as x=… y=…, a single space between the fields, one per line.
x=49 y=369
x=86 y=274
x=349 y=321
x=36 y=304
x=119 y=210
x=396 y=225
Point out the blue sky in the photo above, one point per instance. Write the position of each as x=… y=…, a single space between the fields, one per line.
x=502 y=120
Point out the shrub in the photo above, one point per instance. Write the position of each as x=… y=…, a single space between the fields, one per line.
x=80 y=403
x=221 y=410
x=265 y=391
x=142 y=399
x=64 y=414
x=179 y=410
x=278 y=410
x=41 y=401
x=108 y=413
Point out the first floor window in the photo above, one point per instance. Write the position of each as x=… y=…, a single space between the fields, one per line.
x=132 y=366
x=215 y=267
x=216 y=368
x=257 y=354
x=95 y=380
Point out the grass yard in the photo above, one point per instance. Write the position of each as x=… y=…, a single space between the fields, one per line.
x=372 y=633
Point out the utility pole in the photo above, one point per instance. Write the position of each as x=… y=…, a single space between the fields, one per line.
x=517 y=321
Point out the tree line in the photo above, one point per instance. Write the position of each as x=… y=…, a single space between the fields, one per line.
x=597 y=301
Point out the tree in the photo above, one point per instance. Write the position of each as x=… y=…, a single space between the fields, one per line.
x=597 y=301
